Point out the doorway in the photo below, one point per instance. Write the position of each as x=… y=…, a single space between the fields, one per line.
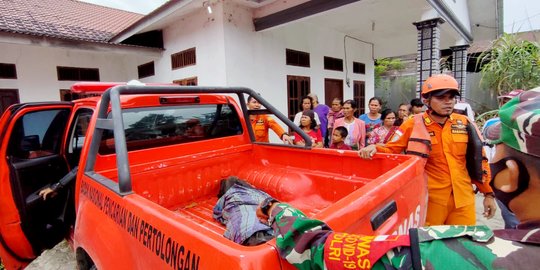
x=333 y=88
x=359 y=95
x=297 y=87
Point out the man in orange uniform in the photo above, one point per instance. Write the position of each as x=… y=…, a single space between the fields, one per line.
x=261 y=124
x=451 y=195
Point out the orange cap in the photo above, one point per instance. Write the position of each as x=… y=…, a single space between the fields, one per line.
x=439 y=82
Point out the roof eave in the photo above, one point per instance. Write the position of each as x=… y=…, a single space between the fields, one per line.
x=448 y=15
x=55 y=42
x=155 y=16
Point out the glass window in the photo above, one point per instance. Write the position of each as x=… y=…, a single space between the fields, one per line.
x=77 y=134
x=161 y=126
x=38 y=134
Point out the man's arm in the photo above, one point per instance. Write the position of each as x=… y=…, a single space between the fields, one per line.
x=278 y=130
x=300 y=240
x=396 y=145
x=303 y=242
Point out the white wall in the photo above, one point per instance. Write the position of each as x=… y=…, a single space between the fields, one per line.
x=202 y=31
x=37 y=78
x=461 y=10
x=257 y=59
x=458 y=7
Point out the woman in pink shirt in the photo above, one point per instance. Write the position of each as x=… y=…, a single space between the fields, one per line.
x=356 y=128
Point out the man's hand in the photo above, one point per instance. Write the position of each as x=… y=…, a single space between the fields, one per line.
x=46 y=191
x=287 y=139
x=367 y=152
x=263 y=217
x=490 y=207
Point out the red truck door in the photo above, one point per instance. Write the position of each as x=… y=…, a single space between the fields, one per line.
x=33 y=156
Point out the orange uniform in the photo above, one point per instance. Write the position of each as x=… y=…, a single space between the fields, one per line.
x=261 y=124
x=451 y=196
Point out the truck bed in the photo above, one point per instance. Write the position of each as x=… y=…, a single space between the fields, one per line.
x=326 y=184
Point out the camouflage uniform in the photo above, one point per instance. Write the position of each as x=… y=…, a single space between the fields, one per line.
x=311 y=244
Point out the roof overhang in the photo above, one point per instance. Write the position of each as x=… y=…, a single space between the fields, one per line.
x=44 y=41
x=298 y=12
x=158 y=18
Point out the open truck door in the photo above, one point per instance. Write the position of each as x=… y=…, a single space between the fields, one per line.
x=33 y=157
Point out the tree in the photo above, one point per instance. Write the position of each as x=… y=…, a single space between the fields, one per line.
x=510 y=64
x=384 y=66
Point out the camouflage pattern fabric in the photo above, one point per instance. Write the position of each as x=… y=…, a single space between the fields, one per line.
x=302 y=242
x=520 y=123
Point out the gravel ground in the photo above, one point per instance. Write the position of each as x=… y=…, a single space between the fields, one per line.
x=61 y=257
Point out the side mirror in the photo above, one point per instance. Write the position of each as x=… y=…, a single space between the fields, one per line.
x=30 y=143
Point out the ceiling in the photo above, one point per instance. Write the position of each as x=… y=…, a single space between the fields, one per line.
x=382 y=22
x=388 y=24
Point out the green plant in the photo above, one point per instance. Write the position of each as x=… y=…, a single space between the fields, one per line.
x=510 y=64
x=482 y=118
x=384 y=66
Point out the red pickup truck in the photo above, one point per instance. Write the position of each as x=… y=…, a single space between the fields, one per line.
x=150 y=161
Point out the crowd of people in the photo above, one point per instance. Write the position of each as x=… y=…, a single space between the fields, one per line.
x=374 y=127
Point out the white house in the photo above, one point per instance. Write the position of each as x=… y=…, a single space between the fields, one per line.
x=282 y=49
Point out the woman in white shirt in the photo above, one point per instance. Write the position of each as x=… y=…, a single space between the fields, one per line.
x=307 y=104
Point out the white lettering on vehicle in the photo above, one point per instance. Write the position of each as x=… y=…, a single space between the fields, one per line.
x=412 y=222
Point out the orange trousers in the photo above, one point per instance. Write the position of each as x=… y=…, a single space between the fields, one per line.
x=450 y=215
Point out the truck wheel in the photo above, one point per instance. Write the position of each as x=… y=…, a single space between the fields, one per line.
x=84 y=262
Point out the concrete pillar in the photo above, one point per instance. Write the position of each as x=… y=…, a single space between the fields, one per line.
x=427 y=63
x=459 y=67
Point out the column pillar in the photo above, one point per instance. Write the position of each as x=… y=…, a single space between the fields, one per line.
x=459 y=67
x=428 y=55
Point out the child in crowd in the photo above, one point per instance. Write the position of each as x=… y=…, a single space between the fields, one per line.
x=338 y=136
x=417 y=106
x=336 y=112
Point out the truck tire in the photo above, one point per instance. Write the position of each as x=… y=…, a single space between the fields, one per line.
x=84 y=262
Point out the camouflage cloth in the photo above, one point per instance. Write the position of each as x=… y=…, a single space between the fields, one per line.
x=311 y=244
x=519 y=127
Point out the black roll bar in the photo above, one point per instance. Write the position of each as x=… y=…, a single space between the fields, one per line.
x=112 y=97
